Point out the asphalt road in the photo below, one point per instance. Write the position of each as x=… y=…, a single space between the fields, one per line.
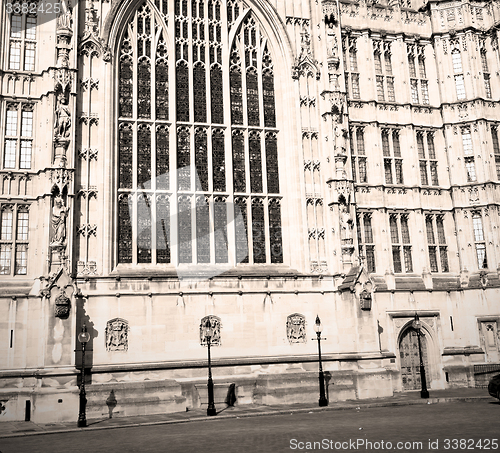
x=460 y=426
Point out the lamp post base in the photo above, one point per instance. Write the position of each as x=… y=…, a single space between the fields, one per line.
x=323 y=402
x=424 y=394
x=211 y=411
x=82 y=423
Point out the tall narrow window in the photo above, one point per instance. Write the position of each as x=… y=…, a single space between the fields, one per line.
x=496 y=150
x=365 y=240
x=184 y=196
x=384 y=78
x=22 y=42
x=427 y=158
x=459 y=76
x=391 y=150
x=14 y=223
x=351 y=67
x=470 y=164
x=401 y=244
x=486 y=74
x=418 y=78
x=18 y=136
x=480 y=244
x=358 y=158
x=436 y=242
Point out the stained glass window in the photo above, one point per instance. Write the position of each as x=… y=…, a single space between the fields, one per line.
x=204 y=138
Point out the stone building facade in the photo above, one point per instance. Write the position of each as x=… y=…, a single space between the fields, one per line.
x=255 y=164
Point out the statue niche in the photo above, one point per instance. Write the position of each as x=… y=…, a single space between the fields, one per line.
x=58 y=221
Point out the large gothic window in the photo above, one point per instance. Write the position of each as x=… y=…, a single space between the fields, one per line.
x=198 y=175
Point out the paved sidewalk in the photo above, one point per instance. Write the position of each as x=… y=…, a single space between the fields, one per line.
x=16 y=429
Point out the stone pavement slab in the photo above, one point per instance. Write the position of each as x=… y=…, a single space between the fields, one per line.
x=20 y=428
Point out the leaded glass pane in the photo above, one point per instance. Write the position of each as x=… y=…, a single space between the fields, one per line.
x=218 y=161
x=220 y=213
x=125 y=151
x=236 y=88
x=275 y=231
x=405 y=232
x=144 y=88
x=201 y=159
x=394 y=229
x=252 y=97
x=183 y=159
x=182 y=89
x=126 y=86
x=162 y=158
x=430 y=230
x=202 y=230
x=162 y=229
x=144 y=156
x=443 y=253
x=396 y=259
x=216 y=95
x=144 y=228
x=125 y=228
x=185 y=242
x=161 y=90
x=240 y=221
x=272 y=163
x=200 y=93
x=255 y=163
x=21 y=259
x=258 y=232
x=238 y=162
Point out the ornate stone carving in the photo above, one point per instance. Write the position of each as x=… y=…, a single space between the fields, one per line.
x=117 y=330
x=62 y=306
x=296 y=328
x=215 y=340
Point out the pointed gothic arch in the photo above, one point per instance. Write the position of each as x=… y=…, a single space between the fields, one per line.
x=409 y=361
x=174 y=91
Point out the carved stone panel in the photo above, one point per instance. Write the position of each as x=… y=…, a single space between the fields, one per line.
x=117 y=330
x=296 y=328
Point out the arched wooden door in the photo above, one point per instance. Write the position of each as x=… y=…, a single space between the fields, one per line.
x=410 y=360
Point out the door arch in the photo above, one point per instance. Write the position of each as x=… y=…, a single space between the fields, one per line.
x=410 y=359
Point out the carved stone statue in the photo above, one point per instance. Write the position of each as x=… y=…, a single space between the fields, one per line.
x=346 y=223
x=59 y=214
x=64 y=19
x=63 y=117
x=331 y=40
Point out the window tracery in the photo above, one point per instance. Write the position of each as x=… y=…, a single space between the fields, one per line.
x=205 y=138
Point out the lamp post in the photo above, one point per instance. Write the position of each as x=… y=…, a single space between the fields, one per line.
x=322 y=398
x=83 y=338
x=417 y=325
x=207 y=334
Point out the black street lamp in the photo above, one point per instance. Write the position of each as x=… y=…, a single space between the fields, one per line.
x=83 y=338
x=417 y=325
x=208 y=332
x=322 y=398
